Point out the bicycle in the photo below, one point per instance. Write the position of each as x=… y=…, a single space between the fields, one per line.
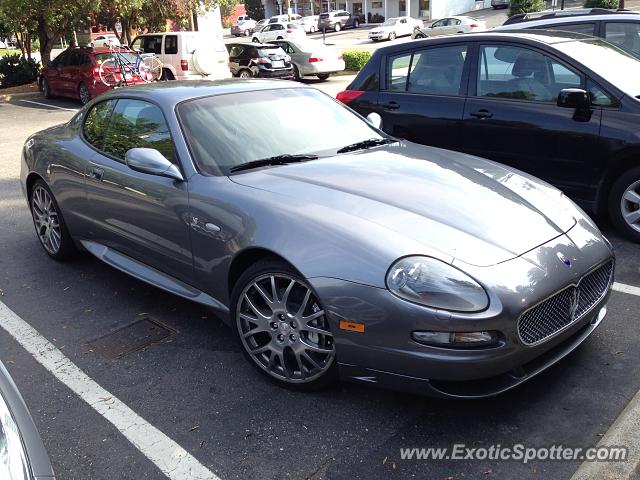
x=124 y=66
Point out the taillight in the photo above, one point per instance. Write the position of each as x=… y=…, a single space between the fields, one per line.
x=289 y=31
x=184 y=65
x=315 y=59
x=340 y=57
x=263 y=60
x=348 y=96
x=474 y=25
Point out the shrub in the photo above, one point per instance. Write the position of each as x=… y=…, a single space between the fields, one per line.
x=601 y=4
x=17 y=70
x=526 y=6
x=356 y=59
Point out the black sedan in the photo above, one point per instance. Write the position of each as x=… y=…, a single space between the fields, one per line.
x=561 y=106
x=248 y=60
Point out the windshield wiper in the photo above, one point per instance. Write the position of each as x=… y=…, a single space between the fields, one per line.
x=365 y=144
x=276 y=160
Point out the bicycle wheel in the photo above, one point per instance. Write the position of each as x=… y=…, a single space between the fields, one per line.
x=109 y=73
x=150 y=69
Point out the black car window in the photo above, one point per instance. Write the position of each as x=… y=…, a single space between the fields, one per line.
x=151 y=44
x=432 y=71
x=587 y=28
x=455 y=21
x=95 y=125
x=439 y=23
x=137 y=124
x=522 y=74
x=625 y=35
x=171 y=44
x=61 y=60
x=599 y=96
x=236 y=51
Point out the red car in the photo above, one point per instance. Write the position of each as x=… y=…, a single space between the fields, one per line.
x=74 y=73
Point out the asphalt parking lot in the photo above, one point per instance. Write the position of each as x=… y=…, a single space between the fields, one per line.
x=196 y=388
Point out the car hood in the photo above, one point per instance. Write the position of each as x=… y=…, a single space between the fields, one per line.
x=468 y=208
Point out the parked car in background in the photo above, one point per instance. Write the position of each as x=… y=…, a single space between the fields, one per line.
x=261 y=23
x=331 y=249
x=559 y=105
x=293 y=18
x=243 y=28
x=186 y=55
x=22 y=453
x=74 y=73
x=243 y=18
x=621 y=28
x=394 y=27
x=311 y=58
x=496 y=4
x=337 y=20
x=450 y=26
x=278 y=31
x=248 y=60
x=310 y=23
x=105 y=40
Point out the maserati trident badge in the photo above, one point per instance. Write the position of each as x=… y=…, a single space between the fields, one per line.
x=564 y=259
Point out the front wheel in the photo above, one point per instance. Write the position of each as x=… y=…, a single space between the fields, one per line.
x=337 y=27
x=296 y=73
x=255 y=40
x=49 y=223
x=624 y=204
x=282 y=326
x=247 y=33
x=392 y=36
x=244 y=74
x=83 y=93
x=420 y=35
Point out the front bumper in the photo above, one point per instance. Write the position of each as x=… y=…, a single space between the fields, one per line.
x=385 y=355
x=377 y=36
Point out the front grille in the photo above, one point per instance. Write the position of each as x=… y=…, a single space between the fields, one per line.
x=565 y=307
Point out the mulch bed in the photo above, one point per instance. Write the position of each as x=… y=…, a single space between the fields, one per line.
x=28 y=88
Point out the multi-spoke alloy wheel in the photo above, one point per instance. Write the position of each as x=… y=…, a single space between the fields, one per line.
x=283 y=328
x=49 y=223
x=624 y=203
x=630 y=205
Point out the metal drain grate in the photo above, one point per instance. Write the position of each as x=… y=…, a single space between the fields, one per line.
x=134 y=337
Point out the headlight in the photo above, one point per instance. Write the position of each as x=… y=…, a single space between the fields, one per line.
x=433 y=283
x=13 y=459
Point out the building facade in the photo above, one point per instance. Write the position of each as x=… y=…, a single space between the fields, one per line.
x=369 y=10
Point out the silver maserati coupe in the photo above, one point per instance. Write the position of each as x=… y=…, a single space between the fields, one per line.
x=331 y=249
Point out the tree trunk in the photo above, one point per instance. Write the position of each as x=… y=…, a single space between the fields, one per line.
x=47 y=40
x=621 y=6
x=126 y=30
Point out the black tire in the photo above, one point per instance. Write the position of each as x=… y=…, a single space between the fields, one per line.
x=296 y=73
x=323 y=76
x=255 y=40
x=66 y=248
x=83 y=93
x=247 y=33
x=279 y=38
x=420 y=35
x=276 y=267
x=166 y=75
x=244 y=73
x=629 y=181
x=46 y=91
x=337 y=27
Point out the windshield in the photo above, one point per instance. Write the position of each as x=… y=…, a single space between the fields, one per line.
x=390 y=22
x=228 y=130
x=620 y=68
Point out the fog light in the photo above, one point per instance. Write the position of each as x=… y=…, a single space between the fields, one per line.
x=457 y=339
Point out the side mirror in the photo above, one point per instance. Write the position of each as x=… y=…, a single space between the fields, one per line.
x=151 y=161
x=375 y=120
x=574 y=98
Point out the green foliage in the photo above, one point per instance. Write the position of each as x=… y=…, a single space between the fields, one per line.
x=254 y=9
x=601 y=4
x=526 y=6
x=227 y=7
x=17 y=70
x=356 y=59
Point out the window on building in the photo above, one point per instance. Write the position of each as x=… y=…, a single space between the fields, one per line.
x=376 y=4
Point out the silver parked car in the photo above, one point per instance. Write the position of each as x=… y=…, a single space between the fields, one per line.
x=450 y=26
x=22 y=453
x=331 y=248
x=312 y=58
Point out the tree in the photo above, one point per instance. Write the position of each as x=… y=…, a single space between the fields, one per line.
x=525 y=6
x=603 y=4
x=254 y=8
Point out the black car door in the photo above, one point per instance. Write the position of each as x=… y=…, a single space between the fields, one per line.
x=512 y=116
x=423 y=94
x=143 y=216
x=235 y=57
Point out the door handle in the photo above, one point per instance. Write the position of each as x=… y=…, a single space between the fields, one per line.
x=96 y=173
x=391 y=105
x=481 y=114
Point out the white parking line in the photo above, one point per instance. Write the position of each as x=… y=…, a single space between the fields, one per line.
x=631 y=290
x=167 y=455
x=51 y=106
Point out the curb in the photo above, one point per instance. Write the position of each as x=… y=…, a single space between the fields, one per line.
x=7 y=97
x=625 y=432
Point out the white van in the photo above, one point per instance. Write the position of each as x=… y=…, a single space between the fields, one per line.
x=186 y=55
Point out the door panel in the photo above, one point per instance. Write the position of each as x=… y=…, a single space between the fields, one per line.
x=423 y=101
x=514 y=118
x=143 y=216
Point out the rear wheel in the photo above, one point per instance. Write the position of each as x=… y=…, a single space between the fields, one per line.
x=244 y=73
x=46 y=91
x=166 y=75
x=49 y=223
x=420 y=35
x=392 y=36
x=312 y=29
x=624 y=204
x=323 y=76
x=109 y=73
x=83 y=93
x=282 y=326
x=337 y=27
x=247 y=33
x=296 y=73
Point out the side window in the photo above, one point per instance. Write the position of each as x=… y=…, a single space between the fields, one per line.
x=439 y=23
x=267 y=28
x=398 y=72
x=585 y=28
x=95 y=125
x=171 y=44
x=522 y=74
x=235 y=51
x=599 y=96
x=625 y=35
x=455 y=21
x=152 y=44
x=137 y=124
x=61 y=60
x=74 y=60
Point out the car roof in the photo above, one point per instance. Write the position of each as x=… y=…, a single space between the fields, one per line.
x=569 y=15
x=566 y=20
x=170 y=94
